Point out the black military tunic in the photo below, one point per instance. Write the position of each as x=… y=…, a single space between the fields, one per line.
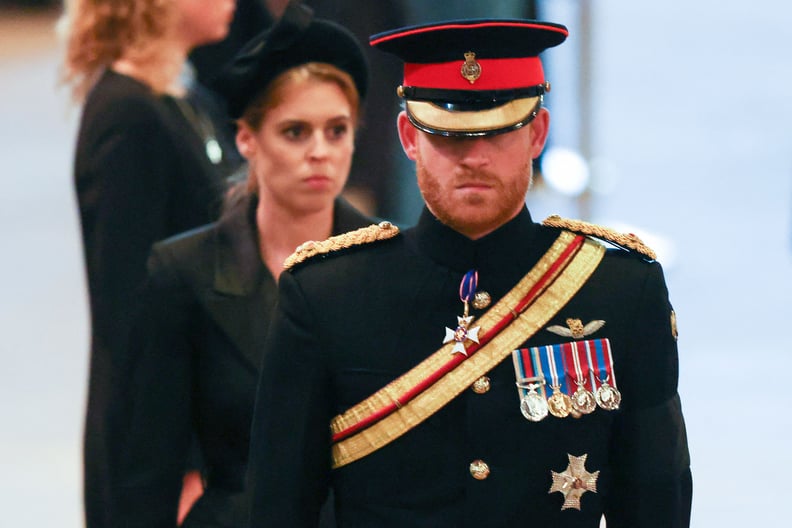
x=351 y=321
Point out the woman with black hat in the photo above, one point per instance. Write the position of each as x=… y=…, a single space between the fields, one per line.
x=294 y=92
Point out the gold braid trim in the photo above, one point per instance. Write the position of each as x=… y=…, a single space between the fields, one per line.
x=364 y=235
x=628 y=240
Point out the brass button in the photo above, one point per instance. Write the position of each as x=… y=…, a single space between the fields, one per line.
x=481 y=385
x=479 y=469
x=481 y=300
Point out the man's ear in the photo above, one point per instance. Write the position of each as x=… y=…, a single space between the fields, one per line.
x=245 y=140
x=408 y=135
x=540 y=127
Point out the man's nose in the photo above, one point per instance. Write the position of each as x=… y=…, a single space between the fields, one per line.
x=476 y=151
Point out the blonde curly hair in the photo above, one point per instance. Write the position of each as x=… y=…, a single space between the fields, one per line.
x=99 y=32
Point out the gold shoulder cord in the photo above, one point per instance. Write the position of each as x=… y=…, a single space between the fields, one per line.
x=628 y=240
x=364 y=235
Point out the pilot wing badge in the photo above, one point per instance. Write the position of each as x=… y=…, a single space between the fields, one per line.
x=576 y=329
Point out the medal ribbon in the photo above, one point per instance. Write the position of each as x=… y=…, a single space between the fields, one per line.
x=601 y=361
x=568 y=384
x=549 y=356
x=524 y=369
x=573 y=351
x=556 y=360
x=467 y=287
x=592 y=369
x=540 y=372
x=549 y=359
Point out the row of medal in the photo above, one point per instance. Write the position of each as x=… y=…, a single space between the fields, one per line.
x=580 y=375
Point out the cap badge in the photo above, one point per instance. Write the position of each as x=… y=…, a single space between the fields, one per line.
x=471 y=69
x=576 y=329
x=574 y=481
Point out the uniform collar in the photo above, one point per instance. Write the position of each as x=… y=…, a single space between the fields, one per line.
x=507 y=246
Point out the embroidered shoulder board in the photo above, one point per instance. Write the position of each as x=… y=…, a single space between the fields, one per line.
x=626 y=241
x=364 y=235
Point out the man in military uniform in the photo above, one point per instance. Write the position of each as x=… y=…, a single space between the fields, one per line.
x=478 y=369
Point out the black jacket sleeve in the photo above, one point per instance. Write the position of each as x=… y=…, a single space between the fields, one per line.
x=652 y=479
x=289 y=462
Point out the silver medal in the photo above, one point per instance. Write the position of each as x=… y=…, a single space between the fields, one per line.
x=608 y=397
x=533 y=406
x=583 y=401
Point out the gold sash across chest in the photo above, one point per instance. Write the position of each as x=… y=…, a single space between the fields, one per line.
x=426 y=388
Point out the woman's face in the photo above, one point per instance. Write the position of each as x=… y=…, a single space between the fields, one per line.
x=204 y=21
x=302 y=152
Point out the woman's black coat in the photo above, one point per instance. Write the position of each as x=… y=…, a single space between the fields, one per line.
x=197 y=346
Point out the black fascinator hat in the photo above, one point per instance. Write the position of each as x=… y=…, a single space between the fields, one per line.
x=296 y=38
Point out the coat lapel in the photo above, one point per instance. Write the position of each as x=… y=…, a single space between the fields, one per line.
x=245 y=292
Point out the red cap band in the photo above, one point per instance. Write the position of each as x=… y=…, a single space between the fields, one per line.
x=496 y=74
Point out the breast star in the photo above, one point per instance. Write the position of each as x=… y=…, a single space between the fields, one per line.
x=574 y=481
